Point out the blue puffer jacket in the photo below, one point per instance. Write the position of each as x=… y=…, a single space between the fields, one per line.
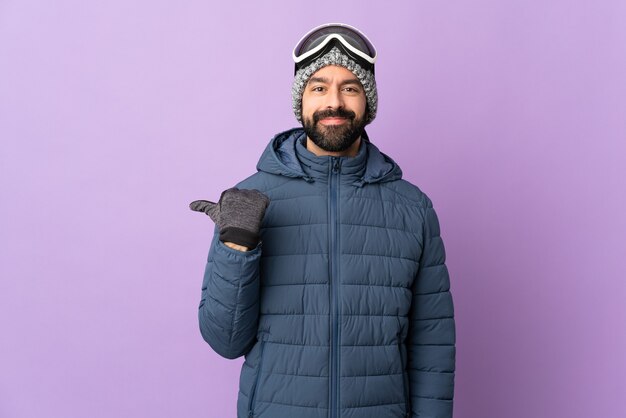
x=344 y=308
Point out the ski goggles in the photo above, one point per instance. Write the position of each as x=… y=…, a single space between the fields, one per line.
x=322 y=39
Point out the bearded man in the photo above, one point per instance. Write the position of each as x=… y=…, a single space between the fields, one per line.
x=327 y=269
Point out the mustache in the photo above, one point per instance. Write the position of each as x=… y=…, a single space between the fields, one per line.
x=330 y=113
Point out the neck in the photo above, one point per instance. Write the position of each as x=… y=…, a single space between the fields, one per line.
x=349 y=152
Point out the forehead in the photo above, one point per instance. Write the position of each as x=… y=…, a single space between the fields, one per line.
x=333 y=73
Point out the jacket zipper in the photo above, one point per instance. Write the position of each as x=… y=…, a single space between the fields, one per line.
x=334 y=285
x=256 y=379
x=405 y=382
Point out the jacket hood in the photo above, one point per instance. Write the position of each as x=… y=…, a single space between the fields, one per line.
x=281 y=156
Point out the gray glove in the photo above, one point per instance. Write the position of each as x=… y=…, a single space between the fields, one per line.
x=238 y=215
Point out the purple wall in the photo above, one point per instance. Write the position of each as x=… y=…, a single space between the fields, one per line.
x=115 y=115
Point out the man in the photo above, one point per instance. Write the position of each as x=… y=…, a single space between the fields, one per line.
x=327 y=269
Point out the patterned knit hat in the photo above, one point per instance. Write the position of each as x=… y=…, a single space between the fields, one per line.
x=335 y=57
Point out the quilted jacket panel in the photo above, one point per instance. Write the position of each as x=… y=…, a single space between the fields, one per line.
x=344 y=309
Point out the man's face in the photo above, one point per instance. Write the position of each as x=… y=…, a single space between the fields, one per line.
x=333 y=108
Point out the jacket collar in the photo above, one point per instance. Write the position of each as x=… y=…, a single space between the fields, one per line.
x=286 y=155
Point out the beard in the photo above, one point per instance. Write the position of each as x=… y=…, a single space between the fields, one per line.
x=334 y=138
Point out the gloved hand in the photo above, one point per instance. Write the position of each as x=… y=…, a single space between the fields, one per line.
x=238 y=215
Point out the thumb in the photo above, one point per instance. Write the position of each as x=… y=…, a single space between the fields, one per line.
x=210 y=208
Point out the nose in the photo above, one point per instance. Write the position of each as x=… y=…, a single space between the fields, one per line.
x=334 y=100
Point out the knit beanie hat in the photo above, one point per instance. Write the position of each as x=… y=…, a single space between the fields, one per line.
x=335 y=57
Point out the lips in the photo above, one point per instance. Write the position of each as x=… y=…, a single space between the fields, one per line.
x=332 y=121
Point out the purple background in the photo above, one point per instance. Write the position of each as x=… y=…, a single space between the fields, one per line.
x=114 y=115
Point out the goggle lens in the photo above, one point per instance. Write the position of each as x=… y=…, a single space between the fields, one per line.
x=354 y=38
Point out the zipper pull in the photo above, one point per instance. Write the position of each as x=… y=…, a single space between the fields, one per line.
x=336 y=165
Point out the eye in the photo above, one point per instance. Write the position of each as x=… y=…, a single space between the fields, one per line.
x=317 y=88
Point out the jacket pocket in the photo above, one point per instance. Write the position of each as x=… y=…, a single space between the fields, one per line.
x=405 y=378
x=255 y=385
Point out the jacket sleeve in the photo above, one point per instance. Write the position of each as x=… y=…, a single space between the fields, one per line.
x=229 y=306
x=432 y=337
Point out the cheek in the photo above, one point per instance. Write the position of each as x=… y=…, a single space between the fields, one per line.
x=308 y=106
x=360 y=105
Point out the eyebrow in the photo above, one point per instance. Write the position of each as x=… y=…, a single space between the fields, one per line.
x=326 y=81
